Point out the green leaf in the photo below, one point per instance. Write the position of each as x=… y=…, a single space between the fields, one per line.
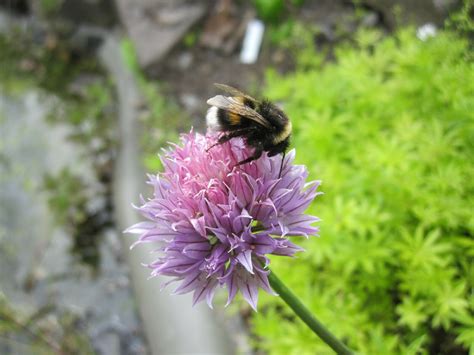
x=450 y=303
x=466 y=331
x=420 y=251
x=415 y=347
x=412 y=313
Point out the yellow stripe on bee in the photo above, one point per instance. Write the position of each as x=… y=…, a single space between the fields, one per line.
x=234 y=118
x=284 y=134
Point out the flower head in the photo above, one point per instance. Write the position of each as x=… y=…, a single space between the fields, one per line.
x=216 y=223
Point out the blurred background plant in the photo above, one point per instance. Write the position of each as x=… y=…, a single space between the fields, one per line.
x=381 y=100
x=389 y=129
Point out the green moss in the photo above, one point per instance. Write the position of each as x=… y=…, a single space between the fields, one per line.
x=389 y=128
x=190 y=39
x=45 y=62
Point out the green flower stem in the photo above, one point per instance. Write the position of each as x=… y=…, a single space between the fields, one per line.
x=305 y=315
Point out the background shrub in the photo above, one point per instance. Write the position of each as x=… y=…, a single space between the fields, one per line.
x=389 y=128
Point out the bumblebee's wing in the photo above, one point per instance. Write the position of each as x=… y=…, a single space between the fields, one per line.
x=233 y=91
x=232 y=105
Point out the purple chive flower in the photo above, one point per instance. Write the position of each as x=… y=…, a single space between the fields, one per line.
x=216 y=223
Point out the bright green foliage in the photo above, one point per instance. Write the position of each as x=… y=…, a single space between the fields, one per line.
x=389 y=128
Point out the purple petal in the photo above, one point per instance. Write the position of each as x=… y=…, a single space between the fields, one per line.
x=263 y=244
x=262 y=278
x=245 y=258
x=231 y=289
x=286 y=248
x=189 y=283
x=200 y=293
x=197 y=250
x=241 y=221
x=141 y=227
x=250 y=292
x=210 y=295
x=199 y=225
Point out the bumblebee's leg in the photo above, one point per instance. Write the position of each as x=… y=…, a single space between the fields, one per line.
x=212 y=146
x=258 y=152
x=281 y=165
x=227 y=137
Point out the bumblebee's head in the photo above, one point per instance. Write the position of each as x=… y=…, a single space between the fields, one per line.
x=280 y=147
x=277 y=111
x=273 y=113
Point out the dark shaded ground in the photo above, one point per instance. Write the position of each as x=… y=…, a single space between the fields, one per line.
x=188 y=72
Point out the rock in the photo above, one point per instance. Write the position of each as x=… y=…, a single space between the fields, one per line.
x=221 y=23
x=370 y=20
x=190 y=102
x=225 y=27
x=185 y=60
x=109 y=343
x=324 y=35
x=156 y=26
x=86 y=39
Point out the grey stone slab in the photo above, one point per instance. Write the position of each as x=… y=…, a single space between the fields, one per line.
x=156 y=26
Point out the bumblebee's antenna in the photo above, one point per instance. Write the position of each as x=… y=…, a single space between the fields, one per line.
x=281 y=166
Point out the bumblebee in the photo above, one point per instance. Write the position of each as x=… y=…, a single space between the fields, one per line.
x=261 y=124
